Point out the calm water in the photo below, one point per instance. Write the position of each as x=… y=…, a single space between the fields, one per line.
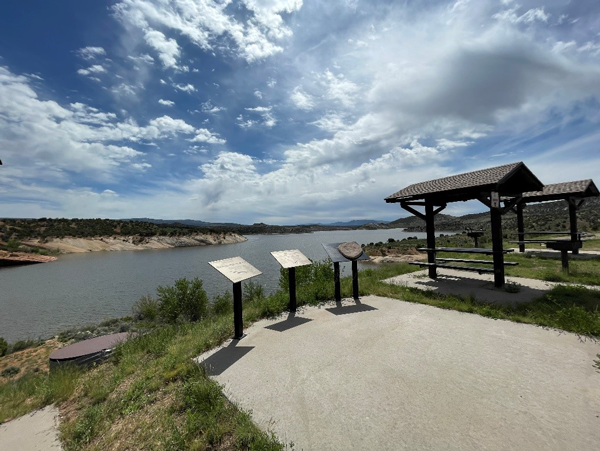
x=79 y=289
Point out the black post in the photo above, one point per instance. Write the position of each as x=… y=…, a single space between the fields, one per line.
x=430 y=229
x=292 y=284
x=476 y=241
x=573 y=224
x=336 y=279
x=355 y=279
x=520 y=227
x=237 y=311
x=496 y=218
x=564 y=257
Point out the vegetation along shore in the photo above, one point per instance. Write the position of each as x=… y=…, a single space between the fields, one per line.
x=38 y=240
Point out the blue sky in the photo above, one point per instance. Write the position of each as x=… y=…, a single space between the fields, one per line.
x=284 y=111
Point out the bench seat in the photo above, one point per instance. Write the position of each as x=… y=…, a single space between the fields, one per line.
x=460 y=268
x=466 y=260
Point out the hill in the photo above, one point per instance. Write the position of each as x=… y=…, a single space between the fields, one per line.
x=548 y=216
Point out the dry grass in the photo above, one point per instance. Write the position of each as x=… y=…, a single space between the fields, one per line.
x=30 y=360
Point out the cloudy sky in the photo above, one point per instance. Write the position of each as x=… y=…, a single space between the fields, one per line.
x=286 y=111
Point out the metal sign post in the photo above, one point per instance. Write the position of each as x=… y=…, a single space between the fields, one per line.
x=236 y=269
x=336 y=257
x=291 y=260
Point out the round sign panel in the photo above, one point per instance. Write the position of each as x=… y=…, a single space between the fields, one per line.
x=351 y=250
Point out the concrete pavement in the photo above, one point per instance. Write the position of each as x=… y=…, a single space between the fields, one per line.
x=390 y=375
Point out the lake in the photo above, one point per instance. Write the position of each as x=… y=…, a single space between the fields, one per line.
x=79 y=289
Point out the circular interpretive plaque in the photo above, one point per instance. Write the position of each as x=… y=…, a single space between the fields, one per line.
x=351 y=250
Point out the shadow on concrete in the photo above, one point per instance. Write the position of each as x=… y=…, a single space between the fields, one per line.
x=480 y=287
x=348 y=309
x=290 y=322
x=217 y=363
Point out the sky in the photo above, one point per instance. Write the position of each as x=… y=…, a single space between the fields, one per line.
x=286 y=111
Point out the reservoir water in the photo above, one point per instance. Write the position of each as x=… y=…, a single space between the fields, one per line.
x=79 y=289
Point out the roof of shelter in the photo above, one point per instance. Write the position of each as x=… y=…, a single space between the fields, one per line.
x=556 y=191
x=508 y=180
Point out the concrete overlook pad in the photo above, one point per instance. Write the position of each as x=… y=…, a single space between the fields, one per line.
x=401 y=376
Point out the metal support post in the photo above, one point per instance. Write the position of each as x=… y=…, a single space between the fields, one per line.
x=355 y=280
x=292 y=286
x=496 y=218
x=573 y=224
x=336 y=279
x=237 y=311
x=520 y=227
x=430 y=229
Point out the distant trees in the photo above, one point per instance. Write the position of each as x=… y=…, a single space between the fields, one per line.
x=46 y=228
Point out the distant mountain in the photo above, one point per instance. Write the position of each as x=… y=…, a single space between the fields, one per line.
x=548 y=216
x=355 y=223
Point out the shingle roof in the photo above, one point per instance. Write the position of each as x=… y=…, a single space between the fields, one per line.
x=583 y=188
x=475 y=179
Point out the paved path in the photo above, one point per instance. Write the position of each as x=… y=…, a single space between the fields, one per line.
x=390 y=375
x=36 y=431
x=464 y=283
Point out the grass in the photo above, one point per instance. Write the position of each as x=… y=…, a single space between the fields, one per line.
x=151 y=395
x=570 y=308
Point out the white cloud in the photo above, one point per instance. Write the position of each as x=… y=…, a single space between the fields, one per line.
x=301 y=99
x=166 y=102
x=95 y=69
x=532 y=15
x=259 y=109
x=144 y=58
x=141 y=166
x=90 y=53
x=189 y=88
x=258 y=94
x=205 y=136
x=167 y=48
x=209 y=108
x=331 y=122
x=43 y=134
x=560 y=46
x=339 y=88
x=268 y=119
x=210 y=24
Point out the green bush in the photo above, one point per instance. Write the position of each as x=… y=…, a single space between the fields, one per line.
x=146 y=308
x=222 y=304
x=10 y=371
x=13 y=245
x=3 y=347
x=252 y=291
x=184 y=301
x=23 y=344
x=314 y=283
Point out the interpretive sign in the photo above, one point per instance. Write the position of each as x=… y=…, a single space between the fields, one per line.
x=235 y=269
x=291 y=258
x=336 y=258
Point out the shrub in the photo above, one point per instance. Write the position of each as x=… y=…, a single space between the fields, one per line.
x=146 y=308
x=184 y=301
x=222 y=304
x=252 y=291
x=314 y=283
x=3 y=347
x=10 y=371
x=23 y=344
x=391 y=240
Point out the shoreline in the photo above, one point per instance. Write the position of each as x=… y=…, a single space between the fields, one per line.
x=71 y=245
